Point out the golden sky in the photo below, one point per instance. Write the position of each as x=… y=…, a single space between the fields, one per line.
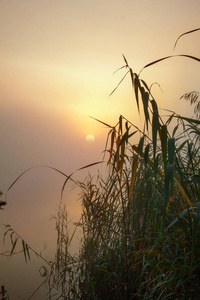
x=56 y=69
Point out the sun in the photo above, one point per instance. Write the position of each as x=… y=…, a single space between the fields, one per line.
x=90 y=138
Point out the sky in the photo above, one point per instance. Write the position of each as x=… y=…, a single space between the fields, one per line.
x=56 y=70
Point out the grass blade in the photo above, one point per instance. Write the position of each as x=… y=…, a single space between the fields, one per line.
x=163 y=138
x=134 y=169
x=171 y=150
x=167 y=57
x=188 y=32
x=155 y=125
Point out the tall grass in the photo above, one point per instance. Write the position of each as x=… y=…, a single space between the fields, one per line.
x=140 y=224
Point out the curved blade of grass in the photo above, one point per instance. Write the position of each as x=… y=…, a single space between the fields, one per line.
x=188 y=32
x=140 y=145
x=40 y=166
x=107 y=125
x=192 y=121
x=182 y=145
x=125 y=60
x=106 y=144
x=134 y=169
x=118 y=84
x=175 y=130
x=146 y=154
x=112 y=144
x=167 y=57
x=69 y=177
x=14 y=245
x=171 y=150
x=24 y=250
x=136 y=84
x=120 y=125
x=132 y=77
x=163 y=138
x=8 y=229
x=155 y=125
x=145 y=100
x=154 y=105
x=122 y=160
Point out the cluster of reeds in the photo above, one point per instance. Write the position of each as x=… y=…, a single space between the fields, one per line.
x=141 y=235
x=141 y=224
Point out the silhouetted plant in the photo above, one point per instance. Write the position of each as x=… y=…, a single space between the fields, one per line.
x=140 y=224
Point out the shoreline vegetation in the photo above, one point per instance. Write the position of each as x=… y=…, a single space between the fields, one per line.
x=141 y=223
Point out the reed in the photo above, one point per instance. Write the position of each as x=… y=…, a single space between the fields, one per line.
x=140 y=224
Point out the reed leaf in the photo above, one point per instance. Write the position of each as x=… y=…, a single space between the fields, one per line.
x=188 y=32
x=167 y=57
x=140 y=145
x=155 y=127
x=145 y=100
x=122 y=159
x=133 y=174
x=171 y=150
x=136 y=89
x=163 y=139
